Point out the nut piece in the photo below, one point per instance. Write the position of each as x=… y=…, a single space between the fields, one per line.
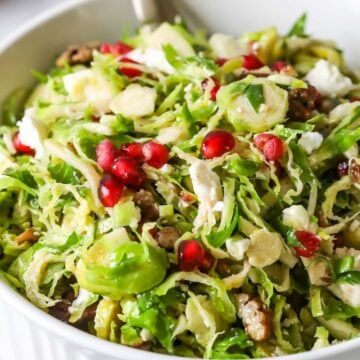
x=302 y=102
x=256 y=319
x=28 y=235
x=77 y=54
x=354 y=171
x=167 y=237
x=146 y=202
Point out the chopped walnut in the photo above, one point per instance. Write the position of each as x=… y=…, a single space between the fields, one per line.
x=146 y=202
x=354 y=171
x=302 y=102
x=256 y=319
x=28 y=235
x=77 y=54
x=167 y=237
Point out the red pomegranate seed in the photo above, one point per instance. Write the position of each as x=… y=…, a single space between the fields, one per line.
x=278 y=65
x=214 y=90
x=129 y=172
x=106 y=153
x=251 y=62
x=156 y=155
x=134 y=151
x=130 y=71
x=118 y=48
x=20 y=147
x=309 y=240
x=221 y=61
x=270 y=145
x=110 y=191
x=207 y=262
x=190 y=255
x=343 y=169
x=216 y=143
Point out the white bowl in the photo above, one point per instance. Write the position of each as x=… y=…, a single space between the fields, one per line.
x=27 y=332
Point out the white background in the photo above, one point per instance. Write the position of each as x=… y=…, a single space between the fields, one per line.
x=15 y=12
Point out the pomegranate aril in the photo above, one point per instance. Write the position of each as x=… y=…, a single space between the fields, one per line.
x=309 y=240
x=118 y=48
x=215 y=88
x=216 y=143
x=110 y=191
x=156 y=155
x=20 y=147
x=106 y=153
x=251 y=62
x=129 y=172
x=190 y=255
x=207 y=262
x=270 y=145
x=134 y=151
x=130 y=71
x=343 y=169
x=278 y=65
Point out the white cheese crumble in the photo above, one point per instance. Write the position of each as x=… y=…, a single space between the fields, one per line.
x=89 y=86
x=296 y=217
x=153 y=58
x=310 y=141
x=134 y=101
x=207 y=188
x=33 y=132
x=328 y=80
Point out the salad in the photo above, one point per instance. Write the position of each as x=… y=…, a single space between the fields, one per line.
x=189 y=195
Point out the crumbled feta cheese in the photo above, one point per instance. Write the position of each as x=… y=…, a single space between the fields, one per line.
x=89 y=86
x=328 y=80
x=153 y=58
x=207 y=188
x=310 y=141
x=296 y=217
x=134 y=101
x=237 y=247
x=225 y=46
x=33 y=132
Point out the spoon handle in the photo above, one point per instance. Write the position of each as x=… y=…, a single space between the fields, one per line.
x=147 y=11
